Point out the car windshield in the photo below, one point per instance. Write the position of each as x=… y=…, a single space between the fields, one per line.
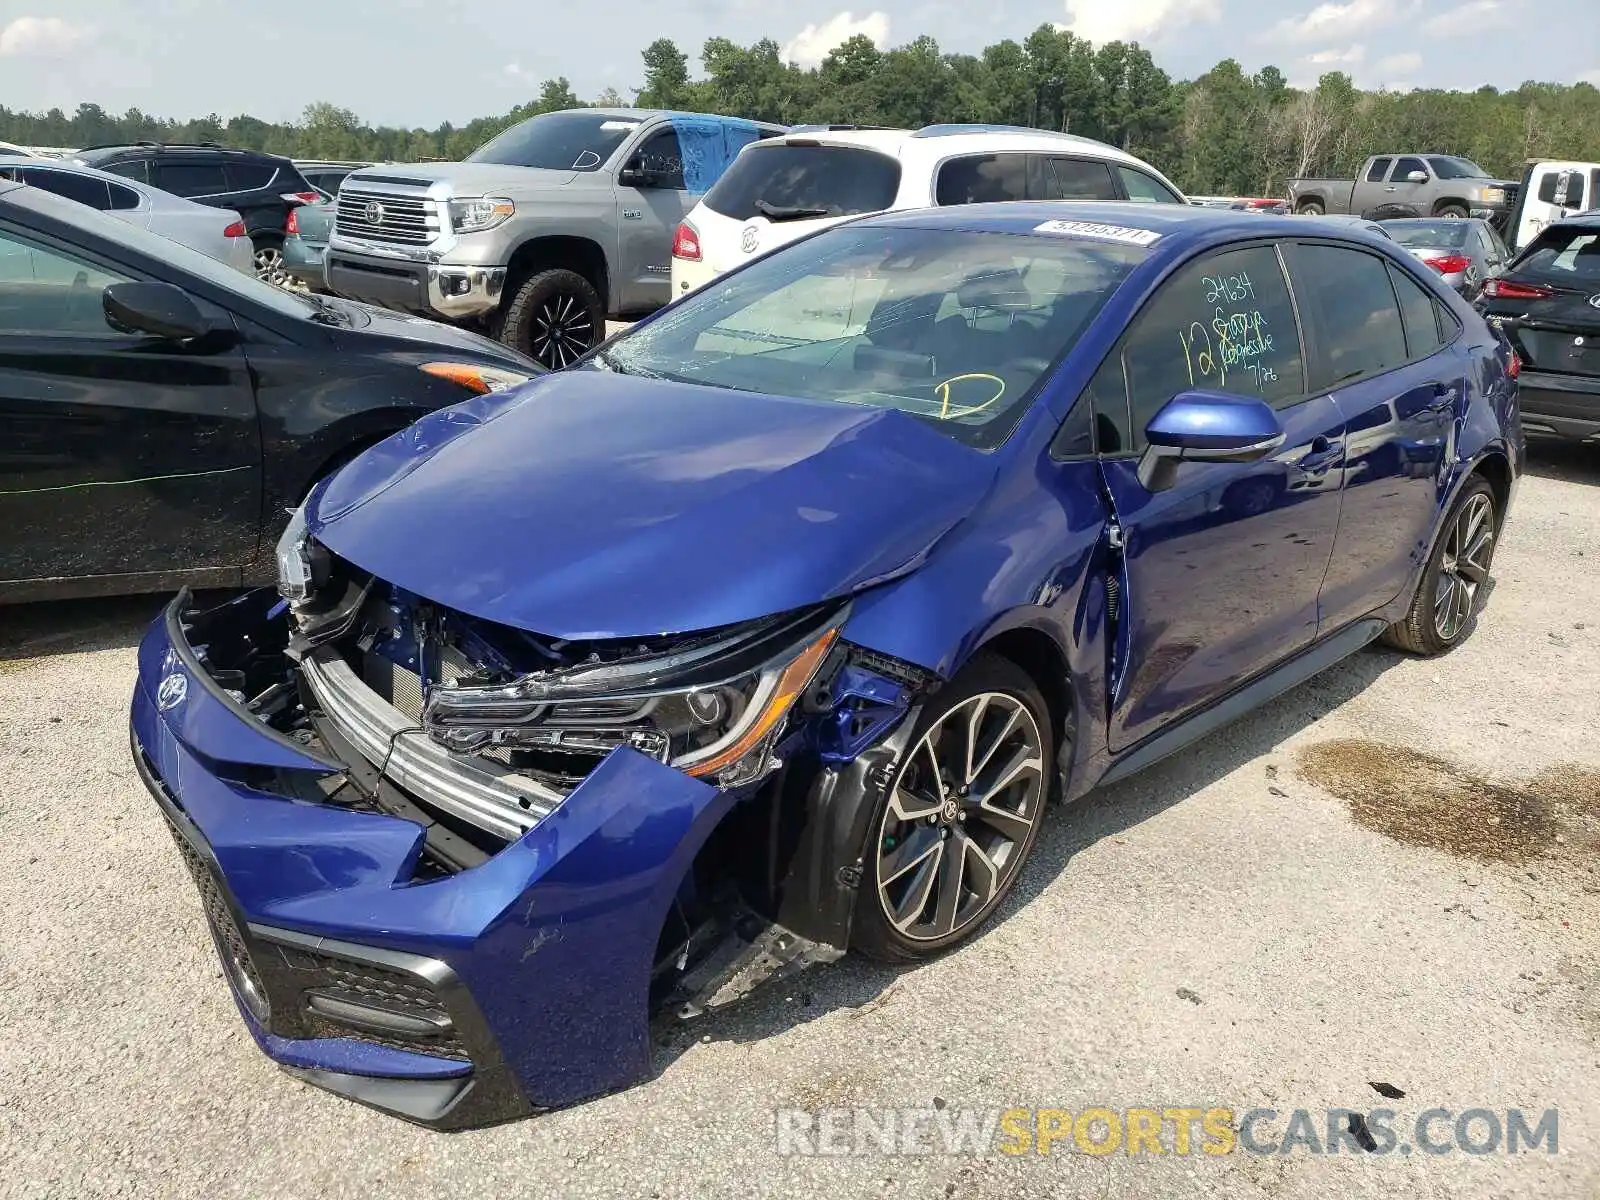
x=1435 y=234
x=563 y=141
x=163 y=250
x=1566 y=257
x=1447 y=166
x=953 y=326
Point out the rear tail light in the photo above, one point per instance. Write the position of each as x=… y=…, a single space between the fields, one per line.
x=686 y=243
x=237 y=229
x=1504 y=289
x=1449 y=264
x=300 y=197
x=292 y=225
x=1514 y=367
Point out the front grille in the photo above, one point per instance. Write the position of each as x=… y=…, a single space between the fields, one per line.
x=483 y=793
x=387 y=217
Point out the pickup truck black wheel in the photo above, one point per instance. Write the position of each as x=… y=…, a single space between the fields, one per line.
x=964 y=809
x=1310 y=208
x=553 y=317
x=1454 y=212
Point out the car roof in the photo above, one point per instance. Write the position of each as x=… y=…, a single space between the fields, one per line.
x=944 y=140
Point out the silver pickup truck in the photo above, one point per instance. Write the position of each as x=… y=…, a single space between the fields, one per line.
x=541 y=233
x=1408 y=185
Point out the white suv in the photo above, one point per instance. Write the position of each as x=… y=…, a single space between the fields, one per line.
x=785 y=187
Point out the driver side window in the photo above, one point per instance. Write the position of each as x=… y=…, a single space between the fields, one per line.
x=1224 y=322
x=46 y=292
x=662 y=158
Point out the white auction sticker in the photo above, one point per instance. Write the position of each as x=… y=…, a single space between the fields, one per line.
x=1104 y=233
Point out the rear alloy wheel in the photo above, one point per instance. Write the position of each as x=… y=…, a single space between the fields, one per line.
x=962 y=814
x=269 y=264
x=1311 y=208
x=1441 y=612
x=555 y=317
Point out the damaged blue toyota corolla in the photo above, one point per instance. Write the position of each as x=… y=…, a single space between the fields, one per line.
x=769 y=629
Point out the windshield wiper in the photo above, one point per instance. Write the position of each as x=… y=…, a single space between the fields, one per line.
x=778 y=212
x=611 y=364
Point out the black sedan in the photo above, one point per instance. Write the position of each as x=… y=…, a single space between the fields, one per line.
x=161 y=412
x=1548 y=303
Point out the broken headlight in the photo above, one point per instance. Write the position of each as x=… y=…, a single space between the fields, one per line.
x=302 y=563
x=711 y=709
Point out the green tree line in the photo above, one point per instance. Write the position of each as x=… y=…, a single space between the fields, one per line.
x=1227 y=131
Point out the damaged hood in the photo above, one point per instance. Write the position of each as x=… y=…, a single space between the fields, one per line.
x=588 y=505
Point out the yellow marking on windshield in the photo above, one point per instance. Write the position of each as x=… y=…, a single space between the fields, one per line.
x=942 y=390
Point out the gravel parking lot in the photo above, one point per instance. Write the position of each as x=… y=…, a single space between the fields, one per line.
x=1388 y=876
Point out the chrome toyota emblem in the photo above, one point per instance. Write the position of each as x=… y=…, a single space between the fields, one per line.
x=172 y=691
x=1594 y=301
x=373 y=213
x=750 y=240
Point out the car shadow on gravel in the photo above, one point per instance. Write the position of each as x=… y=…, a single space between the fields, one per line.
x=858 y=986
x=40 y=630
x=1568 y=462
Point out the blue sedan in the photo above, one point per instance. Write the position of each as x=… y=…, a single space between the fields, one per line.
x=779 y=622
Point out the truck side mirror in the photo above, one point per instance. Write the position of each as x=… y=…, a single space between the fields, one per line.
x=1417 y=177
x=634 y=174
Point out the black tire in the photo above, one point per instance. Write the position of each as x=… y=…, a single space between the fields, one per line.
x=1452 y=212
x=1003 y=826
x=553 y=317
x=1311 y=208
x=1423 y=631
x=268 y=252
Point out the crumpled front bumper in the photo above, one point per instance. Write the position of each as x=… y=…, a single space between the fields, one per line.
x=517 y=985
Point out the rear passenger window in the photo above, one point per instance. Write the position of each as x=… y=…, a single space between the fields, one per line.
x=85 y=189
x=982 y=179
x=1379 y=170
x=1077 y=179
x=122 y=198
x=1224 y=322
x=1146 y=189
x=1347 y=294
x=246 y=177
x=1417 y=314
x=135 y=168
x=191 y=179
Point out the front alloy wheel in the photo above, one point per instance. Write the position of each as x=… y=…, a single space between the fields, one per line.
x=962 y=814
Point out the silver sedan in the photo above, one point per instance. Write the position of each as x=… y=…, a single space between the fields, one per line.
x=213 y=231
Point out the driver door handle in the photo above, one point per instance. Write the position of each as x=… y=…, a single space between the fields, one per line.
x=1323 y=453
x=1444 y=398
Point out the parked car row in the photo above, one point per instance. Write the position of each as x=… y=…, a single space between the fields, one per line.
x=262 y=188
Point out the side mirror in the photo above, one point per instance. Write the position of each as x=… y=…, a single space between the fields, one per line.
x=634 y=174
x=1417 y=177
x=159 y=309
x=1206 y=426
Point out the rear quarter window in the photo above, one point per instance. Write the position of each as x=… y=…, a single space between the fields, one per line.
x=840 y=180
x=246 y=176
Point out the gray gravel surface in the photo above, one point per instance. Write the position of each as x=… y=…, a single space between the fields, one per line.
x=1320 y=941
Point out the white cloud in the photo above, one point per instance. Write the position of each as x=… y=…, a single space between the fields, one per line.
x=1398 y=64
x=1469 y=19
x=1590 y=77
x=1340 y=20
x=1103 y=21
x=41 y=36
x=1349 y=55
x=813 y=43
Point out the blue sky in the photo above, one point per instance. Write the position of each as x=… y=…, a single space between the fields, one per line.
x=419 y=62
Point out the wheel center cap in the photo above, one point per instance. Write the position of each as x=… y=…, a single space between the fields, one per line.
x=949 y=811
